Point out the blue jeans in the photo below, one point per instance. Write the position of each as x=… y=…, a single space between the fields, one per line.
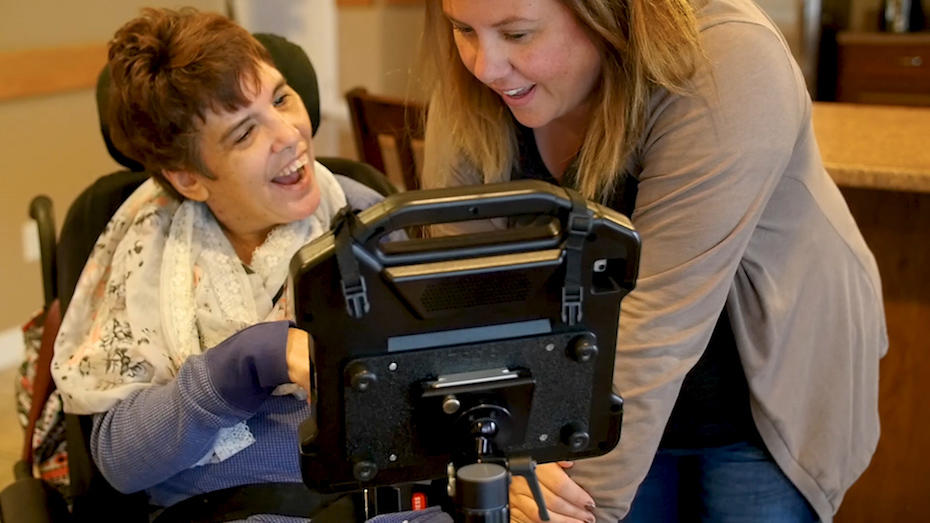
x=733 y=483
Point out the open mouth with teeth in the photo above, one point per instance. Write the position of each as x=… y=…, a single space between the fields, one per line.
x=519 y=92
x=293 y=172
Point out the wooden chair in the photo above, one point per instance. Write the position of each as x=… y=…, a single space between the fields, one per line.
x=388 y=135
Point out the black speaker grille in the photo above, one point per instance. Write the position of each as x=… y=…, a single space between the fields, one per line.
x=475 y=290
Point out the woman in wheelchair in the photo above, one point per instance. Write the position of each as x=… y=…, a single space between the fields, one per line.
x=177 y=340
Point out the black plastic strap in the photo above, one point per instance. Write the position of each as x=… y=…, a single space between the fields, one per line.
x=579 y=226
x=353 y=283
x=234 y=503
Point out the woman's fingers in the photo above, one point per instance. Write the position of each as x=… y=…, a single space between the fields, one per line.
x=523 y=510
x=552 y=476
x=522 y=501
x=565 y=500
x=297 y=356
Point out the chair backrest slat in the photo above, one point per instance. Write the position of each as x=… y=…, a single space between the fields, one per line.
x=388 y=135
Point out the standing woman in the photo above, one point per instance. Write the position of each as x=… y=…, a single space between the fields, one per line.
x=748 y=353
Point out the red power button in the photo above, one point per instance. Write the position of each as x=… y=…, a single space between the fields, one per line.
x=418 y=501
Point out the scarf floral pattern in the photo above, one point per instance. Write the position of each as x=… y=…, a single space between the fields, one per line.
x=163 y=283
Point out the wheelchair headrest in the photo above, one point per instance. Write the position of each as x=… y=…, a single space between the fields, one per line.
x=289 y=58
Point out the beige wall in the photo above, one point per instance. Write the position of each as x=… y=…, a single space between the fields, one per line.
x=52 y=145
x=378 y=45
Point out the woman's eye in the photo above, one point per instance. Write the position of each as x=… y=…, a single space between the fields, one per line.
x=515 y=36
x=281 y=99
x=245 y=134
x=462 y=30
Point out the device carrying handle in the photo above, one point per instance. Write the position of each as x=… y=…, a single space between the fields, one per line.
x=473 y=202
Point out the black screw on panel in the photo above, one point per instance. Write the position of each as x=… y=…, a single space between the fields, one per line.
x=583 y=349
x=365 y=470
x=575 y=437
x=360 y=378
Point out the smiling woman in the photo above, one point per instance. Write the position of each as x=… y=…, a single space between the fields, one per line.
x=177 y=339
x=750 y=346
x=241 y=125
x=541 y=62
x=257 y=162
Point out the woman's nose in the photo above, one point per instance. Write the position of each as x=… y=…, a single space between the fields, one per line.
x=490 y=63
x=286 y=133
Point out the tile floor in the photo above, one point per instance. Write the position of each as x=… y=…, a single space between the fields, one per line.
x=11 y=435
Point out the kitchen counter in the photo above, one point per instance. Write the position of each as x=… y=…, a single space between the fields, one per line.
x=875 y=146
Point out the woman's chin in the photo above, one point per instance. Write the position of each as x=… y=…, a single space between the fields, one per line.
x=306 y=206
x=529 y=119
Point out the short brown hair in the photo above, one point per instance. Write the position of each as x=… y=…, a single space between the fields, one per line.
x=168 y=68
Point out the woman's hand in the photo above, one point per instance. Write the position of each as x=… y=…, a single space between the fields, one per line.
x=298 y=358
x=566 y=501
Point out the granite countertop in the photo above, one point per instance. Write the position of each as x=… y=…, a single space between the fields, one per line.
x=875 y=146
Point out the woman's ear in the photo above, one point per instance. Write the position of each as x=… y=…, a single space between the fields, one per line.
x=188 y=184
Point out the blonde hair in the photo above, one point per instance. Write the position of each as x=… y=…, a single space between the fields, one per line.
x=644 y=44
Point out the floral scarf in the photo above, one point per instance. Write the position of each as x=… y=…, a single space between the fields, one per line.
x=163 y=283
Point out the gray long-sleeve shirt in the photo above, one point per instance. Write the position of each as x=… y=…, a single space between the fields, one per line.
x=734 y=206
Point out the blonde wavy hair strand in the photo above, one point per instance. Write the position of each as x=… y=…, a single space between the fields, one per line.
x=644 y=45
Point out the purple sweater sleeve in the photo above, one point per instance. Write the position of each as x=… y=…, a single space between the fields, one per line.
x=159 y=431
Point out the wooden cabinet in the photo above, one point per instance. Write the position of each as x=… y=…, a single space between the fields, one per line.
x=896 y=486
x=879 y=155
x=883 y=68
